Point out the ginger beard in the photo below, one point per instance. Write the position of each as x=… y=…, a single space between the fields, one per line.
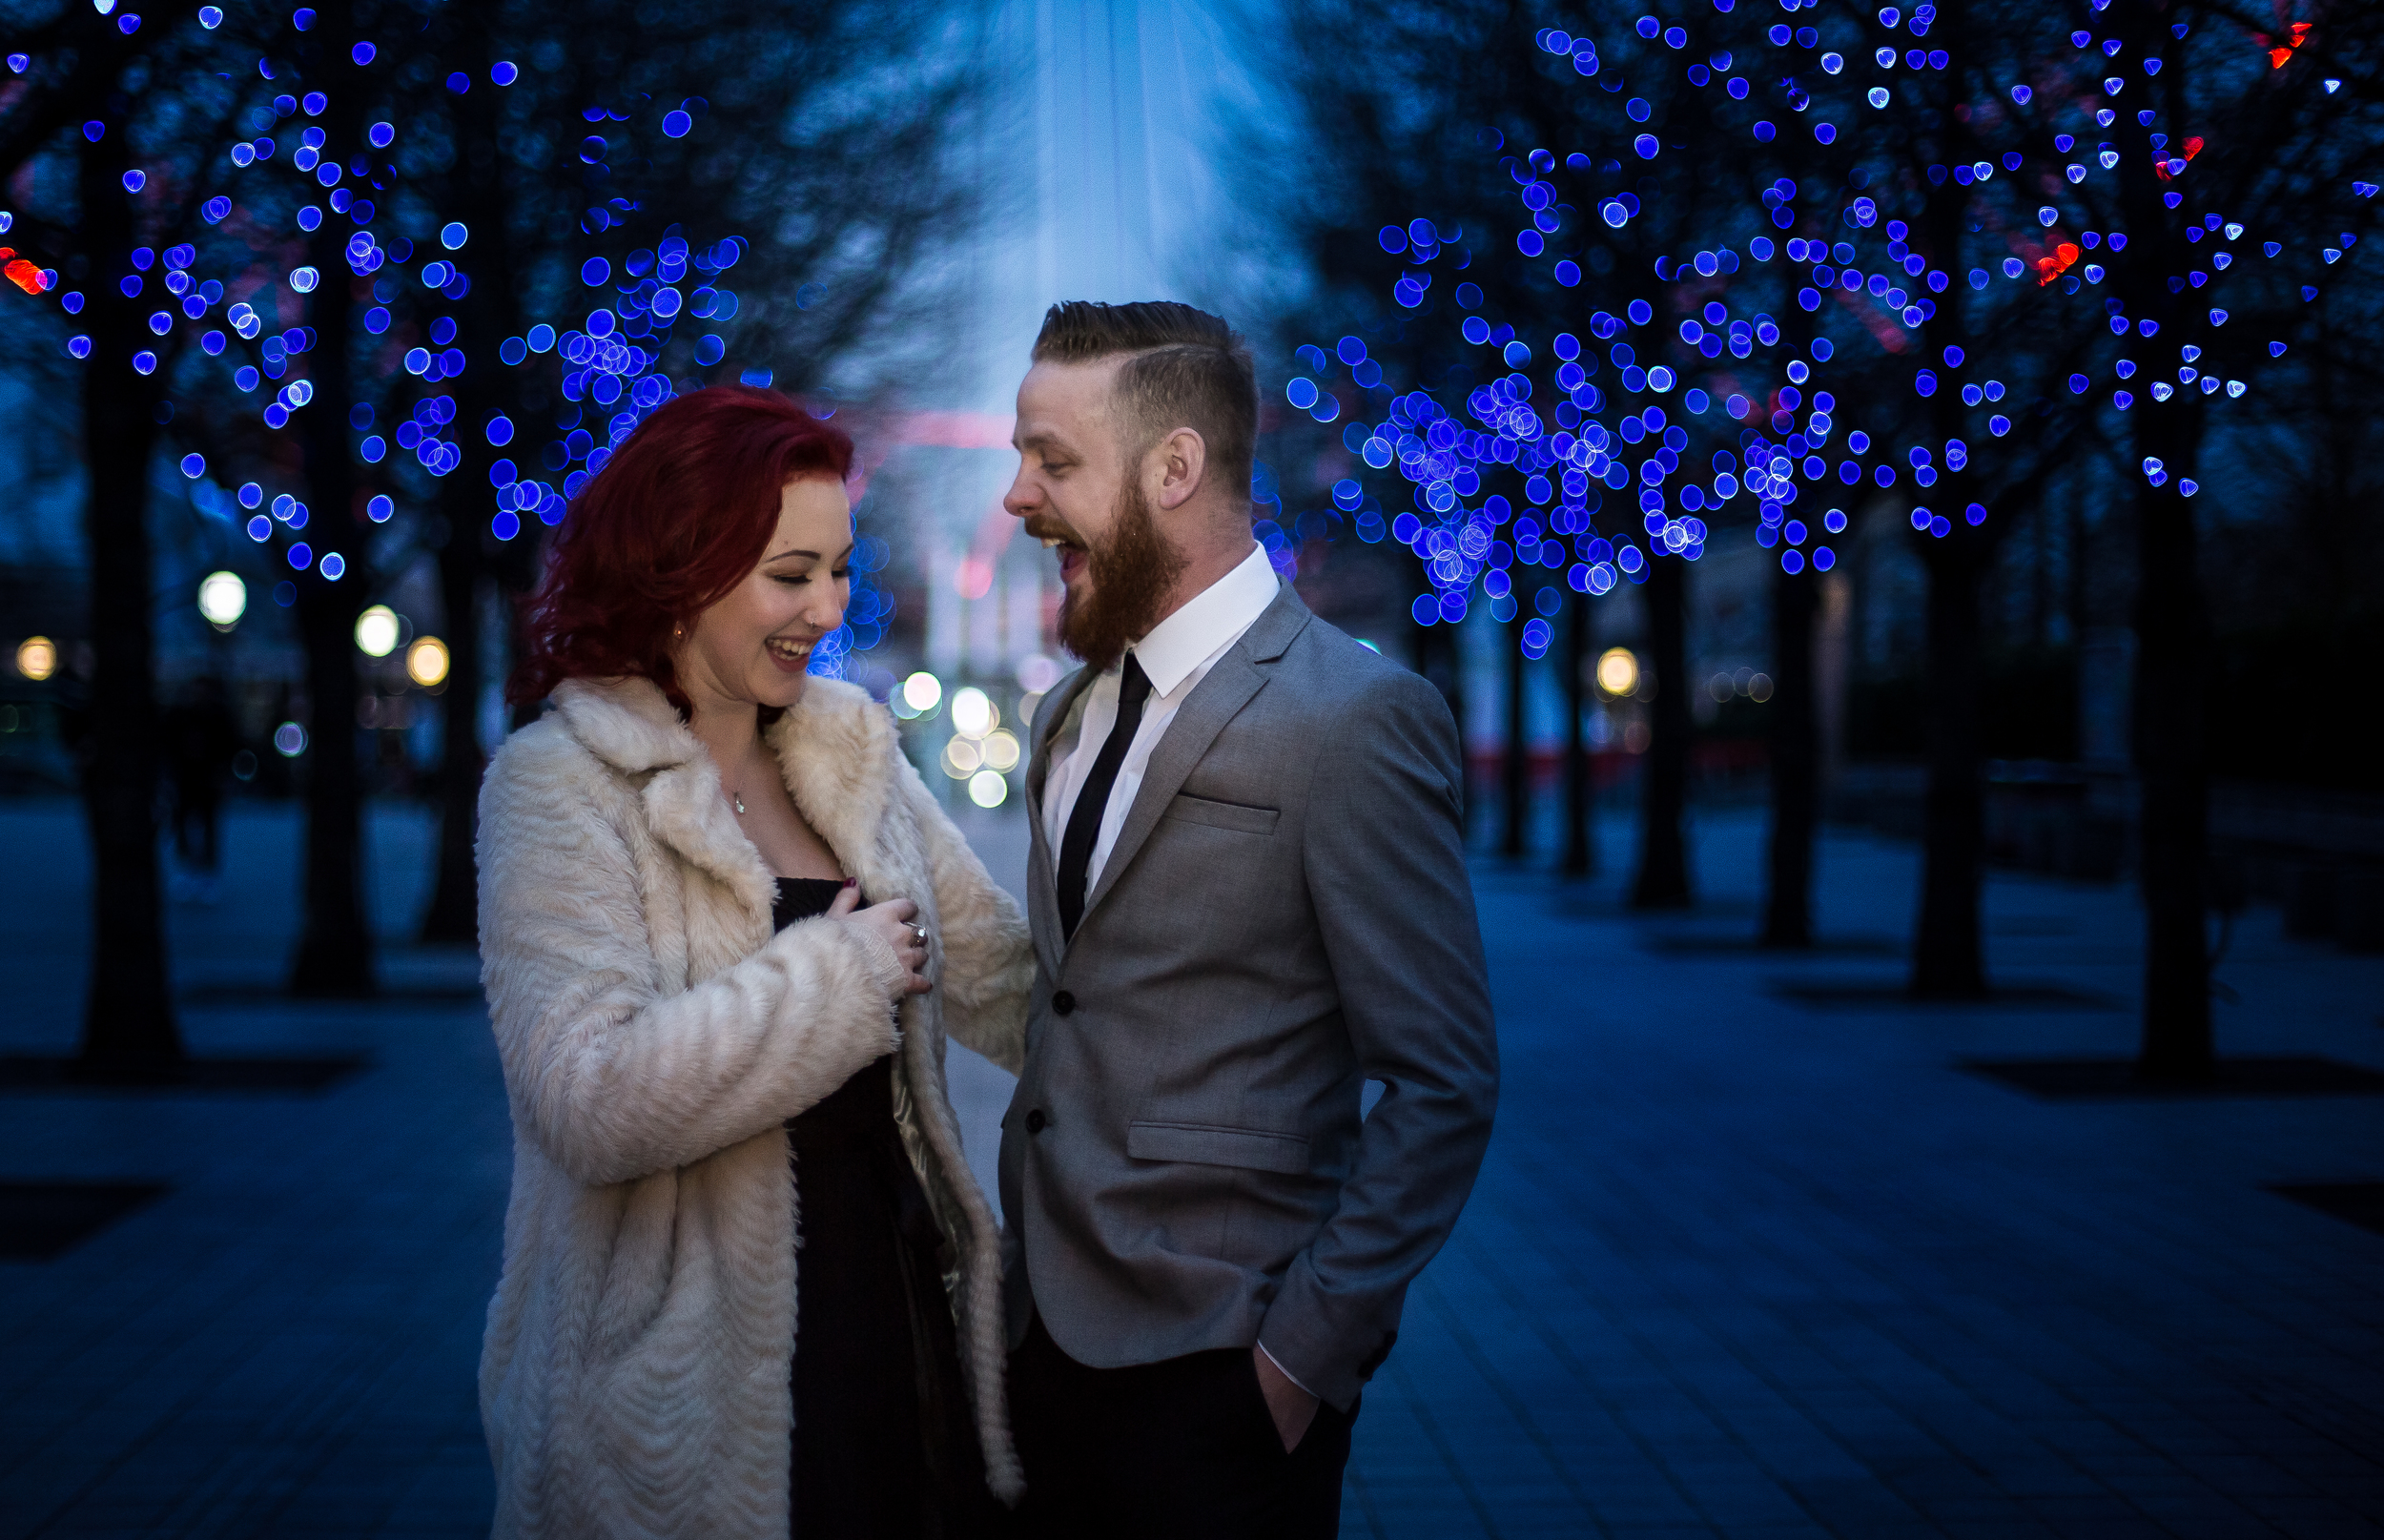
x=1128 y=574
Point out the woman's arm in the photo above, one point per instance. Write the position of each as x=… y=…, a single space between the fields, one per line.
x=613 y=1078
x=989 y=960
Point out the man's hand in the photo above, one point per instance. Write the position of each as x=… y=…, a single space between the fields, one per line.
x=1293 y=1407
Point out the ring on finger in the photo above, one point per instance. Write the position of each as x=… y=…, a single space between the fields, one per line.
x=918 y=934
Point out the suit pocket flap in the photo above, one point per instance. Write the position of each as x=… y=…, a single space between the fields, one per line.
x=1192 y=810
x=1203 y=1144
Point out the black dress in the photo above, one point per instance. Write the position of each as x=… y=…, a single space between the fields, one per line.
x=884 y=1444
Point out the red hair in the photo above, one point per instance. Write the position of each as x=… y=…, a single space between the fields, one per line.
x=676 y=519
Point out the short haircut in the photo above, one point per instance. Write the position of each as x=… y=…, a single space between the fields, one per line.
x=1187 y=369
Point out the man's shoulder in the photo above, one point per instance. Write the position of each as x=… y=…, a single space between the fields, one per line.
x=1334 y=671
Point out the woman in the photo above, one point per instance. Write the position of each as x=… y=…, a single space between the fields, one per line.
x=712 y=889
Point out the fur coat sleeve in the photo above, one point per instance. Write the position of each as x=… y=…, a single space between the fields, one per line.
x=988 y=958
x=615 y=1067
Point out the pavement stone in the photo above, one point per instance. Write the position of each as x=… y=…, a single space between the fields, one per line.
x=1738 y=1265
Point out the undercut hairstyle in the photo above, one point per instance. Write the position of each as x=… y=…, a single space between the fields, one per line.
x=1187 y=369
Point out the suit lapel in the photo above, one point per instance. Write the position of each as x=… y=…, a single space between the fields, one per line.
x=1052 y=715
x=1214 y=702
x=1041 y=875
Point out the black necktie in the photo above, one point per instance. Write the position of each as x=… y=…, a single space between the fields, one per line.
x=1092 y=801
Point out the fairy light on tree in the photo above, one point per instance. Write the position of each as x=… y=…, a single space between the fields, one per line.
x=1955 y=190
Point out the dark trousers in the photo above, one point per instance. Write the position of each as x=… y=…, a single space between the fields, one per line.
x=1181 y=1447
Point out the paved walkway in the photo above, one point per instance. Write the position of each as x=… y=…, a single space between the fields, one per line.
x=1737 y=1266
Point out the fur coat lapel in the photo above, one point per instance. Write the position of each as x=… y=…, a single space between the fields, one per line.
x=631 y=725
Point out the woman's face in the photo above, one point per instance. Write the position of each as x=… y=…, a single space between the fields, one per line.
x=754 y=647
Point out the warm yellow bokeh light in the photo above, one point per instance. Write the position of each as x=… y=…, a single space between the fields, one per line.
x=223 y=599
x=37 y=657
x=426 y=661
x=1002 y=751
x=1617 y=671
x=962 y=758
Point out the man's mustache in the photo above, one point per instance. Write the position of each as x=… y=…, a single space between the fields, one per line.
x=1054 y=529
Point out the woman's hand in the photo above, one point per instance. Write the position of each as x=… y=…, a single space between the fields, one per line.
x=891 y=922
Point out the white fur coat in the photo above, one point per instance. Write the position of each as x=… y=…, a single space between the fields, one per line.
x=655 y=1037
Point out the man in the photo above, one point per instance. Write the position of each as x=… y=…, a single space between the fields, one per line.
x=1248 y=897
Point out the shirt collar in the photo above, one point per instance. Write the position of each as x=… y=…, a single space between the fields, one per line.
x=1207 y=622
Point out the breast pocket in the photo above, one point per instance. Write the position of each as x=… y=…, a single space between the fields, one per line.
x=1192 y=810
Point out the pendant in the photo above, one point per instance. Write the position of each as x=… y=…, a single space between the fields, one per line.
x=738 y=802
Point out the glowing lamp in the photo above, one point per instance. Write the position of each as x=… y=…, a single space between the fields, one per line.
x=37 y=658
x=922 y=692
x=972 y=713
x=1617 y=671
x=223 y=599
x=426 y=661
x=377 y=631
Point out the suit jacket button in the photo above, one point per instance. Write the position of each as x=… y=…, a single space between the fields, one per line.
x=1062 y=1003
x=1035 y=1121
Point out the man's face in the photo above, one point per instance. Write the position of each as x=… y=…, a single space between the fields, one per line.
x=1079 y=495
x=1071 y=462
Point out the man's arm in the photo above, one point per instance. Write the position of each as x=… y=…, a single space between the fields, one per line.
x=1394 y=906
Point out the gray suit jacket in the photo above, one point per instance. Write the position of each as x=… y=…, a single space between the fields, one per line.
x=1285 y=915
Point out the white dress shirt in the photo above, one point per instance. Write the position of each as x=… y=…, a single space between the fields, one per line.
x=1177 y=656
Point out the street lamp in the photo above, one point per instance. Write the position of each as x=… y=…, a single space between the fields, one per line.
x=426 y=661
x=37 y=658
x=223 y=599
x=377 y=631
x=1618 y=672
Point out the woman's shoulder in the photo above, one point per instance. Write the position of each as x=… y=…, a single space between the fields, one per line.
x=543 y=774
x=542 y=751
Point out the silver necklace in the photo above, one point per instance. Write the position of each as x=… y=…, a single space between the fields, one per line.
x=737 y=802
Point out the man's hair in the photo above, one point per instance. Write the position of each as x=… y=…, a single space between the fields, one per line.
x=1189 y=369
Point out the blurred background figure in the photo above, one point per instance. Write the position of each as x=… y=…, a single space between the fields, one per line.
x=201 y=737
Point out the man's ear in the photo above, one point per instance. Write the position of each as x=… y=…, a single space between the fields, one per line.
x=1180 y=464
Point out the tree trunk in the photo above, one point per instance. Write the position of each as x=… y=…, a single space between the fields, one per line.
x=127 y=1022
x=2172 y=633
x=1516 y=764
x=489 y=311
x=1946 y=960
x=1580 y=857
x=1663 y=879
x=453 y=912
x=1796 y=756
x=335 y=955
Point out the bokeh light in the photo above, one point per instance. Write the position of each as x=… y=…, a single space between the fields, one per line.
x=37 y=658
x=377 y=631
x=222 y=599
x=426 y=661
